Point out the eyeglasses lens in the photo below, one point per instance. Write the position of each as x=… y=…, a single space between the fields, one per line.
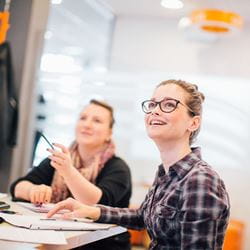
x=165 y=105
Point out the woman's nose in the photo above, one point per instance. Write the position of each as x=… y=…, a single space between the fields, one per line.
x=156 y=109
x=87 y=123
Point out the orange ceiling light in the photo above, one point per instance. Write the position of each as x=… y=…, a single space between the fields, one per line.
x=216 y=21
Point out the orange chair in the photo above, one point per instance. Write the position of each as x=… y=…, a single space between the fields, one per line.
x=234 y=235
x=136 y=237
x=139 y=238
x=233 y=239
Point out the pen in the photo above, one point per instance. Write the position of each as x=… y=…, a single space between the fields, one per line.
x=47 y=219
x=7 y=212
x=45 y=138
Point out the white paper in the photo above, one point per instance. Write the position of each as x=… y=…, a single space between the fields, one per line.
x=3 y=195
x=44 y=208
x=38 y=222
x=32 y=236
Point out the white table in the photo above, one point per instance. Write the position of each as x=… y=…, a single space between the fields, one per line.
x=73 y=238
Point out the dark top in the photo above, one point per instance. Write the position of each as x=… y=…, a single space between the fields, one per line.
x=114 y=180
x=186 y=208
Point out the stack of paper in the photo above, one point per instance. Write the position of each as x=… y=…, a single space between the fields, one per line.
x=32 y=236
x=38 y=222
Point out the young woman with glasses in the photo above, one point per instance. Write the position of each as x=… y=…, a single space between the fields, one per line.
x=187 y=206
x=88 y=170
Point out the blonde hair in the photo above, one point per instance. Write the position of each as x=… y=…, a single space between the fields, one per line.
x=106 y=106
x=193 y=101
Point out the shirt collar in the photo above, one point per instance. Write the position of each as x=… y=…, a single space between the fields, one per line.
x=181 y=167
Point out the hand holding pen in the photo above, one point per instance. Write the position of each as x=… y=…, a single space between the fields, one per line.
x=60 y=160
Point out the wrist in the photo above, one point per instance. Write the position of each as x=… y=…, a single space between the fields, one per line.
x=67 y=172
x=94 y=213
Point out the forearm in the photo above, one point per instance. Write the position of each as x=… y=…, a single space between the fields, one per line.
x=22 y=190
x=81 y=189
x=127 y=217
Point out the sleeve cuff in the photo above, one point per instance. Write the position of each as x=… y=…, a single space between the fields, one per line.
x=104 y=212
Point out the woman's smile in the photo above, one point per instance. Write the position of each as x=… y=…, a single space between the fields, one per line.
x=88 y=133
x=156 y=122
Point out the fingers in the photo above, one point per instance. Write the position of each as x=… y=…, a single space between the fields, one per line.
x=59 y=157
x=40 y=194
x=56 y=161
x=68 y=216
x=62 y=147
x=48 y=195
x=66 y=204
x=56 y=153
x=34 y=196
x=61 y=160
x=76 y=210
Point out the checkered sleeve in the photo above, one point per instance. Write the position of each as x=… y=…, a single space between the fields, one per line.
x=204 y=212
x=126 y=217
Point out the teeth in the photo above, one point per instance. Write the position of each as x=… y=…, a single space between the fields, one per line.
x=156 y=123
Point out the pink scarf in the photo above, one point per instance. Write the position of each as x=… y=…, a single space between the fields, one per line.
x=90 y=171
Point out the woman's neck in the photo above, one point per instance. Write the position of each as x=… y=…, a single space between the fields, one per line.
x=172 y=152
x=87 y=153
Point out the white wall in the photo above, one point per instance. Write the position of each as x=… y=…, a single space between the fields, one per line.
x=155 y=44
x=142 y=47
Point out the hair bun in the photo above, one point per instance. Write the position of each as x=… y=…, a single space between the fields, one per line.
x=195 y=86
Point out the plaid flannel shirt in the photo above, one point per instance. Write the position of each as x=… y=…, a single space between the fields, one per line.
x=186 y=208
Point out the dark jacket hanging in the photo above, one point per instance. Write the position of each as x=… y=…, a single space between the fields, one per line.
x=8 y=100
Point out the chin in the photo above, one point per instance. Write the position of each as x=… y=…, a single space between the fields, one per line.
x=85 y=142
x=154 y=134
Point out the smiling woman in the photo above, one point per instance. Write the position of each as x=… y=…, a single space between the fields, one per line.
x=88 y=170
x=187 y=206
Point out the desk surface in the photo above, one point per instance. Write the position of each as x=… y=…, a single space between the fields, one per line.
x=73 y=238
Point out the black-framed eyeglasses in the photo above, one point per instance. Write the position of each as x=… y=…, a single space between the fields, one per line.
x=167 y=105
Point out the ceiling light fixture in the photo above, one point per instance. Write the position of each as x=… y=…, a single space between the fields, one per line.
x=216 y=21
x=172 y=4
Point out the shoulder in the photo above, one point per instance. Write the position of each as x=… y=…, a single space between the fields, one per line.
x=116 y=164
x=202 y=171
x=117 y=161
x=202 y=175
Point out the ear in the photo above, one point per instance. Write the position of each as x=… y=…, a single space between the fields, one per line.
x=194 y=123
